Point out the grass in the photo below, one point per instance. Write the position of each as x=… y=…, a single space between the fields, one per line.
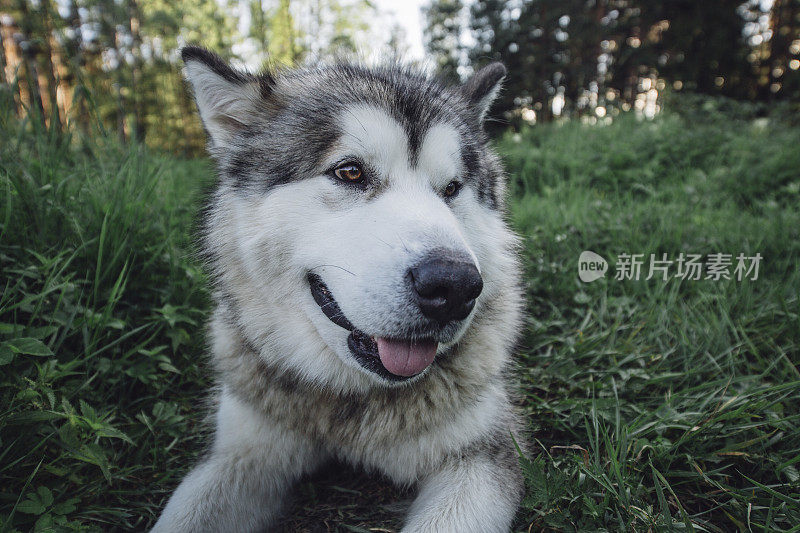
x=100 y=321
x=652 y=405
x=658 y=405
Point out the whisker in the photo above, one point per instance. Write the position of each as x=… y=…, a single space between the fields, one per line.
x=384 y=242
x=335 y=266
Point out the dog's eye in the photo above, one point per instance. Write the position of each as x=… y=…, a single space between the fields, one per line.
x=349 y=172
x=452 y=189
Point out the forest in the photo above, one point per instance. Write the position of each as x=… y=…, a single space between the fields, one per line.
x=114 y=64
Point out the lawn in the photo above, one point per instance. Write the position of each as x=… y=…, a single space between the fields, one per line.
x=652 y=405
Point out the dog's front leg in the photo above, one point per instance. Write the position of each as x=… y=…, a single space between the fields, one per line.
x=243 y=482
x=476 y=492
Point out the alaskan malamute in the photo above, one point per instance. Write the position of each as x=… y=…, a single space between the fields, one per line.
x=366 y=294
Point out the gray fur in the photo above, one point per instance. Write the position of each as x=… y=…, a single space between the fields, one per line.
x=288 y=400
x=299 y=107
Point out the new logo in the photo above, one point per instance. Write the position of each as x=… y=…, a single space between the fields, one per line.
x=591 y=266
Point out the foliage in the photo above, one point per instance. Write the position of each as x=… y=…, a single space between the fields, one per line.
x=571 y=57
x=82 y=63
x=660 y=404
x=651 y=404
x=100 y=319
x=443 y=29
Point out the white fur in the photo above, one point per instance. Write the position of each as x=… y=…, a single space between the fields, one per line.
x=407 y=460
x=485 y=103
x=223 y=106
x=440 y=155
x=463 y=497
x=362 y=249
x=242 y=485
x=260 y=461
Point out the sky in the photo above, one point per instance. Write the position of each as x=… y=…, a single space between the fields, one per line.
x=408 y=14
x=389 y=13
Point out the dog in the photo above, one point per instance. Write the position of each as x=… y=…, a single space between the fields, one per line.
x=367 y=294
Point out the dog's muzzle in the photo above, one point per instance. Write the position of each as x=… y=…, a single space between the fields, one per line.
x=444 y=289
x=392 y=359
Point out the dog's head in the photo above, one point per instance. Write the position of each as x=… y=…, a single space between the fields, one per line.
x=357 y=217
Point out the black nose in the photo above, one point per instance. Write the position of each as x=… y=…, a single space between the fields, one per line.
x=445 y=288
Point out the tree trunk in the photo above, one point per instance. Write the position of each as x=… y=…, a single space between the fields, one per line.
x=13 y=68
x=28 y=63
x=136 y=70
x=75 y=59
x=45 y=63
x=3 y=79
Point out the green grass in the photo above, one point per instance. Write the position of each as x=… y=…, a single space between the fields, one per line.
x=652 y=405
x=658 y=405
x=100 y=331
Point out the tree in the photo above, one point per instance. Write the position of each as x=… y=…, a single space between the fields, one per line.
x=782 y=59
x=443 y=27
x=576 y=56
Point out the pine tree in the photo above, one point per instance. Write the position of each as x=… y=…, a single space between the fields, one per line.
x=443 y=26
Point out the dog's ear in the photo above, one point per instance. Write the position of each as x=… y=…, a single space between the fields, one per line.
x=482 y=88
x=227 y=98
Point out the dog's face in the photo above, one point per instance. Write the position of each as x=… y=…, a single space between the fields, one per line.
x=356 y=206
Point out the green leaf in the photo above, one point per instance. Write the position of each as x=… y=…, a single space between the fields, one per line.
x=169 y=368
x=66 y=507
x=30 y=507
x=9 y=329
x=41 y=332
x=791 y=473
x=91 y=453
x=28 y=346
x=27 y=417
x=45 y=495
x=108 y=431
x=45 y=523
x=6 y=354
x=662 y=501
x=87 y=410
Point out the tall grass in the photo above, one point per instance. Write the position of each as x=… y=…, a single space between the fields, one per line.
x=652 y=405
x=661 y=404
x=100 y=329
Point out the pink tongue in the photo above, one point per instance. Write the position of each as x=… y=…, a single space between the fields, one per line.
x=406 y=358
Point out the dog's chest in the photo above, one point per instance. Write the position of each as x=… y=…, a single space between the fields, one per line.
x=381 y=417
